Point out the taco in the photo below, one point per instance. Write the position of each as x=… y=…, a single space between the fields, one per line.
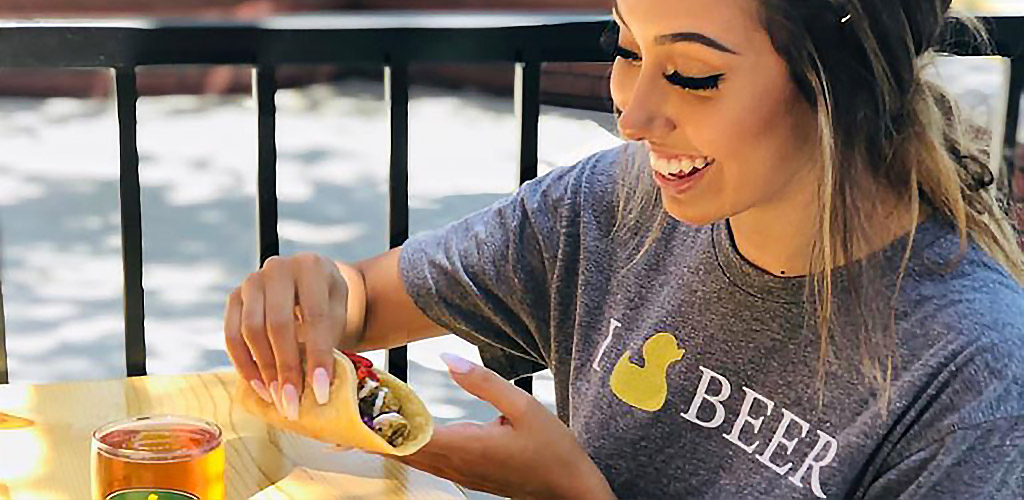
x=369 y=409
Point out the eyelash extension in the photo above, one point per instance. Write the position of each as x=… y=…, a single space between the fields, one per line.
x=689 y=83
x=610 y=43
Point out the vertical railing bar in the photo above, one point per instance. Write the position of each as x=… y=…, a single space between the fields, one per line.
x=527 y=104
x=127 y=96
x=1012 y=120
x=4 y=377
x=265 y=91
x=396 y=84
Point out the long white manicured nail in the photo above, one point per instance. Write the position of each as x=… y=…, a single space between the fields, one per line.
x=456 y=363
x=290 y=401
x=276 y=395
x=261 y=390
x=321 y=386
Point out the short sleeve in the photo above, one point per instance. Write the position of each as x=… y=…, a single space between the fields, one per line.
x=983 y=461
x=490 y=277
x=967 y=441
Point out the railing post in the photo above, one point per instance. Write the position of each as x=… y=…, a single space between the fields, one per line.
x=264 y=91
x=3 y=323
x=131 y=222
x=396 y=84
x=527 y=104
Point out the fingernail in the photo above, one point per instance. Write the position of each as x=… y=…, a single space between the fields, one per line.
x=290 y=400
x=276 y=395
x=261 y=390
x=321 y=386
x=456 y=363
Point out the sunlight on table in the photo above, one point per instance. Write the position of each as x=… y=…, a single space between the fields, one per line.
x=21 y=434
x=46 y=432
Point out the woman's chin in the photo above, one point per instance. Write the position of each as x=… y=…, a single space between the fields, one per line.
x=689 y=215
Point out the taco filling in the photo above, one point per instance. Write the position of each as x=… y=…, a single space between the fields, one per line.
x=379 y=408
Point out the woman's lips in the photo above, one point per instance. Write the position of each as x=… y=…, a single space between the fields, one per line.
x=679 y=184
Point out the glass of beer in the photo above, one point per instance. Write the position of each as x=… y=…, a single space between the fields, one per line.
x=158 y=457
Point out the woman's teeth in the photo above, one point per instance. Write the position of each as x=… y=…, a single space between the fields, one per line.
x=680 y=167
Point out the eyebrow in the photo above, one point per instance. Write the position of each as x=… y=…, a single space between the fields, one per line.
x=683 y=37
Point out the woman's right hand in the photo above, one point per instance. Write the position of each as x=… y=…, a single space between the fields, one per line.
x=291 y=303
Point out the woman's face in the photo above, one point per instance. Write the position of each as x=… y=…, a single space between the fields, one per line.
x=699 y=80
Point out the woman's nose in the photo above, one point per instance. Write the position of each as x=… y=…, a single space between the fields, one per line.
x=645 y=116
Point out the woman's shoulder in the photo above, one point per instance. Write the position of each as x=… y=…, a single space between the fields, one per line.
x=581 y=192
x=959 y=279
x=964 y=321
x=967 y=295
x=596 y=172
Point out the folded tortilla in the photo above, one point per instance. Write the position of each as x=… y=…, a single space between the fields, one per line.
x=338 y=422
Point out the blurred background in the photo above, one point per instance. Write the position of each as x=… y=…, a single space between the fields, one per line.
x=59 y=207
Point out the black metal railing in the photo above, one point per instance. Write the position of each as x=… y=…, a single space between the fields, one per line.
x=392 y=40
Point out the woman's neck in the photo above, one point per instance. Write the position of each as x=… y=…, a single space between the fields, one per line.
x=779 y=238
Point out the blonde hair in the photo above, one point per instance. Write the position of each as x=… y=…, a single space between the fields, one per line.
x=862 y=63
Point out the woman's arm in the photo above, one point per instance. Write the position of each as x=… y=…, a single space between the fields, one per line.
x=380 y=312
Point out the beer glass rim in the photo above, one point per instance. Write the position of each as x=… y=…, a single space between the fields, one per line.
x=156 y=456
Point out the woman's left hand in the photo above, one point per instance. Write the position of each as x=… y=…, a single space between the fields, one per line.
x=526 y=454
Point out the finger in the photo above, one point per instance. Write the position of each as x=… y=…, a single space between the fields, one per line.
x=438 y=466
x=254 y=329
x=460 y=439
x=421 y=463
x=314 y=305
x=510 y=400
x=433 y=464
x=279 y=288
x=462 y=442
x=238 y=350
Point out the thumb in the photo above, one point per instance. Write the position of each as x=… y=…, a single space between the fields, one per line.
x=488 y=386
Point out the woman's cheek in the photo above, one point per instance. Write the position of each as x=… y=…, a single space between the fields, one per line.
x=710 y=132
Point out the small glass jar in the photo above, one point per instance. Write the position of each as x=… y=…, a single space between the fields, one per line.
x=158 y=457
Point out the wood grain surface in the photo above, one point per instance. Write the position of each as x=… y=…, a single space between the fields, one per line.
x=45 y=433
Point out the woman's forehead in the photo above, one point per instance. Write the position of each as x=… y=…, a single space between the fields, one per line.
x=733 y=26
x=725 y=20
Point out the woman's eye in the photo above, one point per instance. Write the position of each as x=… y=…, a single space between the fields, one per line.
x=629 y=55
x=698 y=84
x=610 y=43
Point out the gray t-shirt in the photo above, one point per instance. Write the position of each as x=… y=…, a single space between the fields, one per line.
x=691 y=373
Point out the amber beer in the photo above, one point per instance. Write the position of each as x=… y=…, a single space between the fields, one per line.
x=160 y=457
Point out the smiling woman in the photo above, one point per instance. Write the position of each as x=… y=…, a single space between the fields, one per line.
x=846 y=137
x=791 y=281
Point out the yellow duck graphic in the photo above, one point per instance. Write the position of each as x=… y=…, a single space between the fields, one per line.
x=646 y=387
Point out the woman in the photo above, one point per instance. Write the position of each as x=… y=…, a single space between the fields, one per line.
x=790 y=282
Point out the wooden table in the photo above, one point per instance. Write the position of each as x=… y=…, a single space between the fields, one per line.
x=49 y=460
